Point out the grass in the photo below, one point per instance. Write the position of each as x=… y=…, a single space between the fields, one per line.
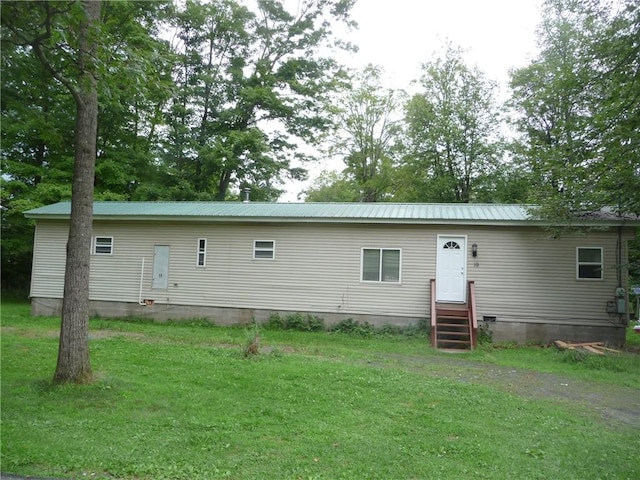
x=181 y=401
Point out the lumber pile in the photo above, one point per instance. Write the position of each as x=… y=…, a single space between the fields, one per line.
x=596 y=348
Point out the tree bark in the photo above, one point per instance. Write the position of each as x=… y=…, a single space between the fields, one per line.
x=73 y=352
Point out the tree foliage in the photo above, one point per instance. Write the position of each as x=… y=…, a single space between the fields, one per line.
x=451 y=132
x=220 y=105
x=579 y=108
x=331 y=186
x=366 y=135
x=247 y=85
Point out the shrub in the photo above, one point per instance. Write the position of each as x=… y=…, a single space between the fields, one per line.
x=274 y=322
x=352 y=327
x=485 y=335
x=295 y=321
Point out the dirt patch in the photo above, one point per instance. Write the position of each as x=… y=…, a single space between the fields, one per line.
x=93 y=334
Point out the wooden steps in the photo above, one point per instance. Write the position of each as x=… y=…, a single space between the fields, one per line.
x=452 y=328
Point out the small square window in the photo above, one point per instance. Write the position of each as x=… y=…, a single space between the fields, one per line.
x=202 y=252
x=264 y=249
x=103 y=245
x=589 y=263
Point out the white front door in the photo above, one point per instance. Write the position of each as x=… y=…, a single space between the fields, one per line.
x=160 y=267
x=451 y=275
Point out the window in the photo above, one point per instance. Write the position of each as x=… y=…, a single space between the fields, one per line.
x=202 y=252
x=381 y=265
x=264 y=249
x=102 y=245
x=589 y=264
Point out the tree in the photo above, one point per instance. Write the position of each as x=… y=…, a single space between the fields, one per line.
x=37 y=151
x=69 y=57
x=135 y=86
x=617 y=119
x=332 y=187
x=38 y=114
x=578 y=104
x=248 y=85
x=452 y=132
x=367 y=131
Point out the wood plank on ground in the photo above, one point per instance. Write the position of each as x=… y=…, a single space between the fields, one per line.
x=596 y=348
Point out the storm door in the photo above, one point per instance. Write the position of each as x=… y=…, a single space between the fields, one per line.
x=451 y=276
x=160 y=267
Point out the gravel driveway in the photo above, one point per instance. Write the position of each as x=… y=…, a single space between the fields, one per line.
x=615 y=404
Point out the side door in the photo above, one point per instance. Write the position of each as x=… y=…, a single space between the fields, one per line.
x=160 y=267
x=451 y=274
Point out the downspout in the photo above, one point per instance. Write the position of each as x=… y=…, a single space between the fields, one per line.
x=619 y=252
x=140 y=302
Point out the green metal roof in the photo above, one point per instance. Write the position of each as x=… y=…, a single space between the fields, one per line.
x=458 y=213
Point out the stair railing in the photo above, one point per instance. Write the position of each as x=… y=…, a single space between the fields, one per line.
x=434 y=334
x=473 y=320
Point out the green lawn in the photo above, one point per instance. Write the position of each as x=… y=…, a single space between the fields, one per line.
x=181 y=401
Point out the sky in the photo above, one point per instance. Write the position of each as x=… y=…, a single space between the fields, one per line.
x=400 y=35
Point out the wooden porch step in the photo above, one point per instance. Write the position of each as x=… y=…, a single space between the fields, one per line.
x=452 y=312
x=457 y=333
x=454 y=342
x=452 y=323
x=456 y=325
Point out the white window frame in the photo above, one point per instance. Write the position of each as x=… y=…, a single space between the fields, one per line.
x=599 y=264
x=201 y=253
x=96 y=245
x=380 y=279
x=264 y=249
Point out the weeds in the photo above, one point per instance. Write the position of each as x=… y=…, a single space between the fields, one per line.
x=610 y=362
x=350 y=326
x=252 y=345
x=485 y=335
x=295 y=321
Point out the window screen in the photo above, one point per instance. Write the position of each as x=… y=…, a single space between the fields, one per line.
x=202 y=252
x=264 y=249
x=589 y=263
x=381 y=265
x=103 y=245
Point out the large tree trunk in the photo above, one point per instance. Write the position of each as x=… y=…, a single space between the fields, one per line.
x=73 y=352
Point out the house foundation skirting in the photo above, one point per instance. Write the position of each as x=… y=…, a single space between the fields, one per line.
x=216 y=315
x=502 y=331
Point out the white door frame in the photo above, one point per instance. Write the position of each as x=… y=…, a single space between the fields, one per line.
x=451 y=270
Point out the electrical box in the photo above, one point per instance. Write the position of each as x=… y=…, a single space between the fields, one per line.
x=620 y=292
x=611 y=307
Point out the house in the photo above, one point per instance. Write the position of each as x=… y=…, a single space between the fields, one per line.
x=383 y=263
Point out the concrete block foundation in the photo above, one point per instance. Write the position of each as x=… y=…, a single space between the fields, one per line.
x=502 y=331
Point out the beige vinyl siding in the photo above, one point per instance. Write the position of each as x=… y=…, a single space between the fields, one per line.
x=49 y=256
x=524 y=275
x=316 y=267
x=521 y=274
